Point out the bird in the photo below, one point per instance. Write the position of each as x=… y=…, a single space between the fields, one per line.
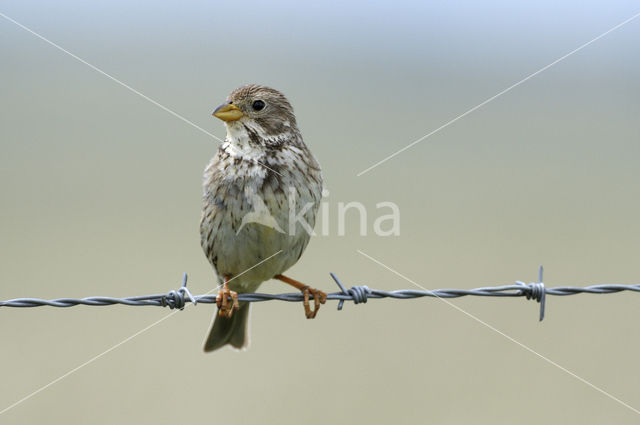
x=261 y=193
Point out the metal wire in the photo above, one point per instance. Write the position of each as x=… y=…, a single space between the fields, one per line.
x=357 y=294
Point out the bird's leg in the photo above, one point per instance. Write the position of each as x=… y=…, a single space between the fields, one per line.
x=319 y=297
x=226 y=308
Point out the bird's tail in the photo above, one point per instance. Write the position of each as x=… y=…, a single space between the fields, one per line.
x=233 y=330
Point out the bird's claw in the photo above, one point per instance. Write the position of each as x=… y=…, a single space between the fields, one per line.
x=319 y=297
x=226 y=307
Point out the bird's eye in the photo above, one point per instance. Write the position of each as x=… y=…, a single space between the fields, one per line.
x=258 y=105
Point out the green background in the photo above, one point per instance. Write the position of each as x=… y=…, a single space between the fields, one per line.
x=100 y=195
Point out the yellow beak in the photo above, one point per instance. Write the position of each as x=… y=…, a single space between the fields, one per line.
x=228 y=112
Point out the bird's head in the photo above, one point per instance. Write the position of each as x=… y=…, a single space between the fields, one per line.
x=258 y=108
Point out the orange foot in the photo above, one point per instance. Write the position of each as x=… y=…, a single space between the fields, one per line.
x=226 y=307
x=319 y=297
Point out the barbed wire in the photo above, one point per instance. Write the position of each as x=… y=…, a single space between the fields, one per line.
x=179 y=298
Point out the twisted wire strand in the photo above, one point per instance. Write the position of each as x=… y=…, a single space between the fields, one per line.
x=357 y=294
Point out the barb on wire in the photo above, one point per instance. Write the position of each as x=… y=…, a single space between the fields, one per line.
x=357 y=294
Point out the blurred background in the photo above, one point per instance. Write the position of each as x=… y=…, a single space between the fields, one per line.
x=100 y=195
